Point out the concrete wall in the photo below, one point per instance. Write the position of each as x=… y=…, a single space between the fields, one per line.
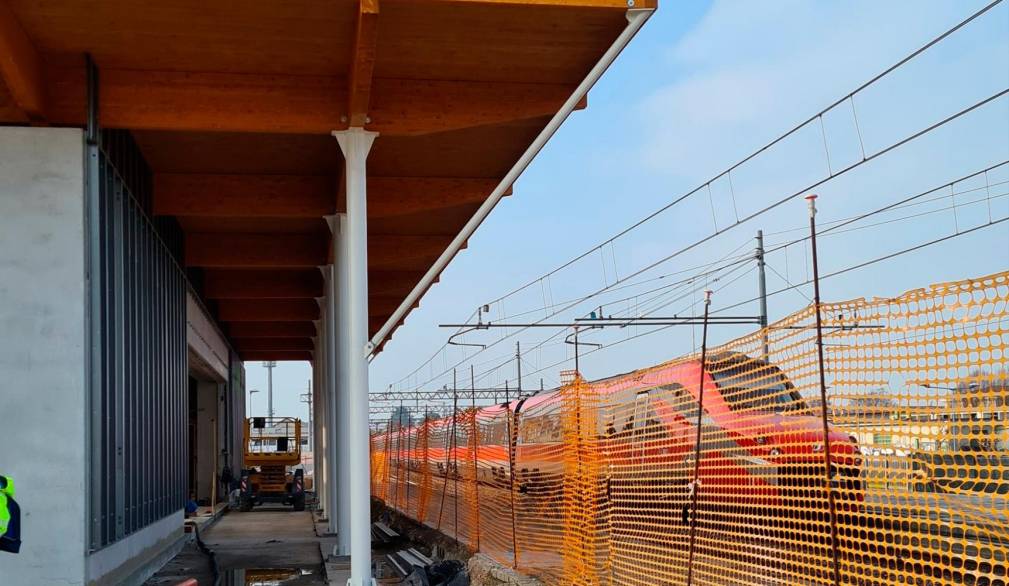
x=42 y=361
x=205 y=342
x=238 y=398
x=131 y=561
x=207 y=418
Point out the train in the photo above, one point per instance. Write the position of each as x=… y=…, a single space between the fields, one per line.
x=761 y=442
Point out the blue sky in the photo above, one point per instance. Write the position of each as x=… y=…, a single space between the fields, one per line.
x=703 y=85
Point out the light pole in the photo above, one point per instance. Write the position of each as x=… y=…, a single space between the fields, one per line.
x=269 y=365
x=251 y=391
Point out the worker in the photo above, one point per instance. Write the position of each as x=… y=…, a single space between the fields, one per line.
x=10 y=517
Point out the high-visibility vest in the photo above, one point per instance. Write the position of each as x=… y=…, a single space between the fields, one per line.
x=10 y=517
x=6 y=492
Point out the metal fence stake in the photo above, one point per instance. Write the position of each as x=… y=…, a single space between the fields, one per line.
x=510 y=428
x=695 y=485
x=475 y=440
x=823 y=391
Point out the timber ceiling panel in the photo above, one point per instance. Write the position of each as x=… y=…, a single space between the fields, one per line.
x=294 y=37
x=536 y=43
x=485 y=151
x=9 y=110
x=240 y=153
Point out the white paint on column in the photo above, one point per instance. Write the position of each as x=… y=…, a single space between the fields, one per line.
x=356 y=143
x=342 y=388
x=322 y=465
x=332 y=457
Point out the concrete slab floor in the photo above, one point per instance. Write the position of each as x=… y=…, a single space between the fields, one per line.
x=269 y=545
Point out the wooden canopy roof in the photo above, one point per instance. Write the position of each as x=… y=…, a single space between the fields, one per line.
x=233 y=103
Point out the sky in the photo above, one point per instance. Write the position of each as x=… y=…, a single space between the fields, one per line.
x=703 y=85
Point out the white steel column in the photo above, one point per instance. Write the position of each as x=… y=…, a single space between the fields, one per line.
x=356 y=143
x=333 y=456
x=316 y=411
x=322 y=491
x=342 y=385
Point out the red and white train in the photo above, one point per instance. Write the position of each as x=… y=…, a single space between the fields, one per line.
x=759 y=437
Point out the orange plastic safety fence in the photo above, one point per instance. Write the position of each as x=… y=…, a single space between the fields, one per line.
x=585 y=558
x=594 y=483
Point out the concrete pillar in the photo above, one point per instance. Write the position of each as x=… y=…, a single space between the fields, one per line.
x=356 y=143
x=42 y=352
x=342 y=388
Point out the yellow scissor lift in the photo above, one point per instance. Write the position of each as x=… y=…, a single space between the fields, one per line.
x=272 y=450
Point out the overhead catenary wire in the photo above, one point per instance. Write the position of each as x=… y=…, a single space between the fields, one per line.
x=830 y=225
x=880 y=259
x=505 y=359
x=856 y=266
x=838 y=224
x=761 y=211
x=697 y=287
x=622 y=281
x=835 y=228
x=779 y=291
x=639 y=335
x=796 y=194
x=733 y=261
x=727 y=172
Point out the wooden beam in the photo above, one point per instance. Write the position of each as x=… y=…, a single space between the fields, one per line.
x=375 y=322
x=393 y=283
x=21 y=67
x=231 y=102
x=400 y=196
x=402 y=107
x=189 y=101
x=243 y=344
x=237 y=250
x=280 y=355
x=273 y=329
x=621 y=5
x=308 y=196
x=403 y=251
x=362 y=62
x=251 y=196
x=384 y=305
x=235 y=310
x=278 y=250
x=262 y=284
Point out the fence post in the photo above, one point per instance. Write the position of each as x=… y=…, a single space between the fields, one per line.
x=425 y=470
x=388 y=461
x=475 y=443
x=695 y=485
x=411 y=445
x=399 y=456
x=823 y=392
x=510 y=428
x=455 y=458
x=450 y=443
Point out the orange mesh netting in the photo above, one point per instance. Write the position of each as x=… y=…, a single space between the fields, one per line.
x=594 y=483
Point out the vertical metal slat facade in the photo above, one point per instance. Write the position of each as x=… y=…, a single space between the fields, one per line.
x=139 y=394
